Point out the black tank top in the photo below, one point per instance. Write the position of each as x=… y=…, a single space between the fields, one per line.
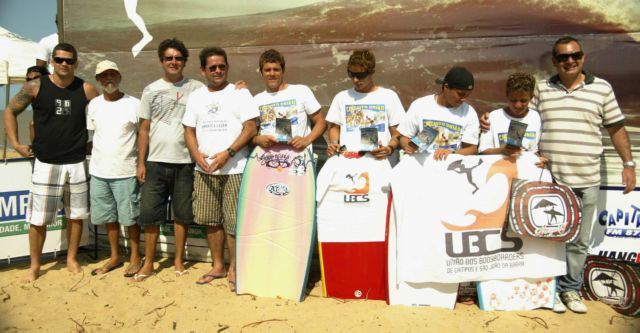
x=60 y=122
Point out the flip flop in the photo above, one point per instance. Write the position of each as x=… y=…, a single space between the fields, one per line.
x=210 y=277
x=181 y=273
x=104 y=270
x=140 y=277
x=133 y=269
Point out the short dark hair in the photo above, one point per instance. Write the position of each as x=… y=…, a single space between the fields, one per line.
x=364 y=58
x=521 y=81
x=272 y=56
x=212 y=51
x=65 y=47
x=37 y=69
x=173 y=43
x=564 y=40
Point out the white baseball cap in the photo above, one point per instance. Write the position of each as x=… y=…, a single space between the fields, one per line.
x=105 y=65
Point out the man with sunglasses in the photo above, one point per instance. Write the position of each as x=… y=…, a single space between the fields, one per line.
x=573 y=106
x=59 y=102
x=165 y=168
x=219 y=122
x=366 y=105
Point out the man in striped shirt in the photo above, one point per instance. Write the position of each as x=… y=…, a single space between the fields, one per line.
x=573 y=106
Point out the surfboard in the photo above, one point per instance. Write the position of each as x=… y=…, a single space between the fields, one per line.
x=405 y=293
x=352 y=202
x=275 y=223
x=446 y=227
x=517 y=294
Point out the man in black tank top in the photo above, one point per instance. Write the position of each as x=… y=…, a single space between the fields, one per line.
x=58 y=101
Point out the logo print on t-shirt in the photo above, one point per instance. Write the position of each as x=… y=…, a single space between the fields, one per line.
x=63 y=107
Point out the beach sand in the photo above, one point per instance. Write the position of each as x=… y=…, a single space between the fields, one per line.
x=62 y=302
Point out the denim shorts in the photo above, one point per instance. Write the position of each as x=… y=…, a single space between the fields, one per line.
x=114 y=200
x=166 y=183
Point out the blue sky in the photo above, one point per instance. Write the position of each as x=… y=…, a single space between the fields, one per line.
x=32 y=19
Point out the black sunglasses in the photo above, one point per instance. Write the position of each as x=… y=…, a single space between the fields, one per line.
x=69 y=61
x=358 y=75
x=165 y=58
x=563 y=57
x=214 y=68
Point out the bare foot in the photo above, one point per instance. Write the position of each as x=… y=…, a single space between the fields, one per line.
x=73 y=266
x=31 y=276
x=108 y=267
x=232 y=281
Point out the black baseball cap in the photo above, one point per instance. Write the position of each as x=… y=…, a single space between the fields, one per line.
x=458 y=78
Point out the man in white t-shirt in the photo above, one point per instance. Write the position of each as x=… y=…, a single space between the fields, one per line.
x=218 y=122
x=292 y=103
x=447 y=113
x=113 y=117
x=165 y=168
x=365 y=106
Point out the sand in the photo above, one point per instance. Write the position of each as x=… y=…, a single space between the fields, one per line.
x=63 y=302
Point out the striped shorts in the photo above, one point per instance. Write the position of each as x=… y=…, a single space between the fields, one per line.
x=215 y=200
x=53 y=184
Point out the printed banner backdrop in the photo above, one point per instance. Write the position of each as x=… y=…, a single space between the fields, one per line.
x=415 y=41
x=450 y=221
x=616 y=231
x=14 y=230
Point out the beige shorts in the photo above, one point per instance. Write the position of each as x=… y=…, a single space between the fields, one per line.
x=215 y=200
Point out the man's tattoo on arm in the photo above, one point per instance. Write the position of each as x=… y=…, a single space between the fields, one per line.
x=20 y=102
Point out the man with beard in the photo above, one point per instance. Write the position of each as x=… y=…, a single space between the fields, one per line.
x=59 y=103
x=114 y=187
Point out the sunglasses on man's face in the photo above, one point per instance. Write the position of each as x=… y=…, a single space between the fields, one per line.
x=167 y=59
x=564 y=57
x=357 y=75
x=214 y=68
x=60 y=60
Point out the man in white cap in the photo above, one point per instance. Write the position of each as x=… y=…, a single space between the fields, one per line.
x=115 y=197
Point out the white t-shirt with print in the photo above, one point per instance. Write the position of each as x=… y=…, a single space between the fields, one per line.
x=295 y=103
x=163 y=103
x=454 y=125
x=353 y=110
x=496 y=136
x=218 y=118
x=115 y=126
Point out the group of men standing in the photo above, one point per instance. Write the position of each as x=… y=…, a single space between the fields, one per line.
x=180 y=125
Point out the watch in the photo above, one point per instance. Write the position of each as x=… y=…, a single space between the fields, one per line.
x=231 y=152
x=629 y=164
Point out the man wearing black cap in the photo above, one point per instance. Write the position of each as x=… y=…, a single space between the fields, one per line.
x=446 y=113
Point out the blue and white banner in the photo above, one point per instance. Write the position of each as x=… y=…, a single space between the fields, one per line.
x=14 y=230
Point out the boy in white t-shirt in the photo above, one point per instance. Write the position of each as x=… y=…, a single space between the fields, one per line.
x=115 y=197
x=281 y=101
x=520 y=88
x=218 y=122
x=446 y=113
x=365 y=106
